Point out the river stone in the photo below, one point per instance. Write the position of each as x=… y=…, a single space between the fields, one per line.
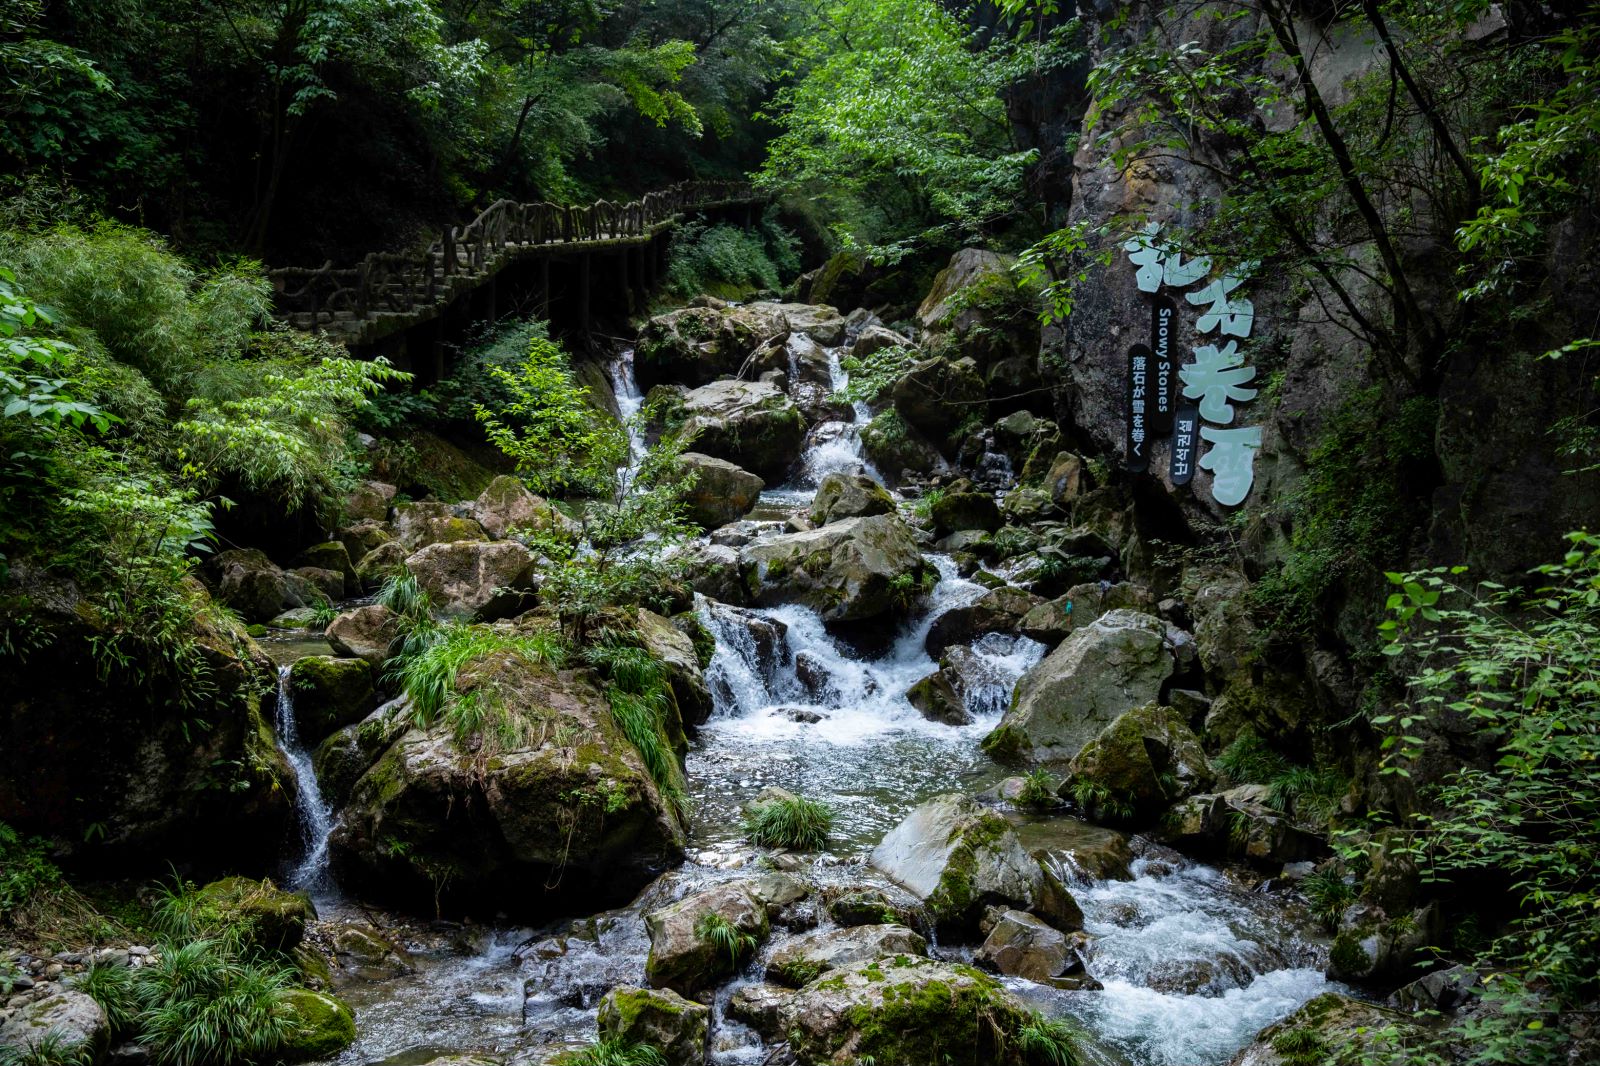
x=675 y=652
x=957 y=857
x=368 y=952
x=417 y=525
x=722 y=492
x=697 y=345
x=896 y=449
x=1021 y=945
x=661 y=1018
x=1145 y=759
x=956 y=511
x=750 y=423
x=904 y=1010
x=1114 y=664
x=1088 y=852
x=360 y=539
x=380 y=564
x=261 y=914
x=1340 y=1029
x=713 y=571
x=369 y=500
x=760 y=1007
x=967 y=267
x=477 y=579
x=937 y=700
x=821 y=323
x=1238 y=823
x=76 y=1021
x=364 y=633
x=246 y=581
x=846 y=571
x=683 y=960
x=322 y=1026
x=507 y=504
x=566 y=815
x=329 y=555
x=841 y=496
x=999 y=610
x=329 y=693
x=874 y=338
x=865 y=905
x=936 y=395
x=803 y=959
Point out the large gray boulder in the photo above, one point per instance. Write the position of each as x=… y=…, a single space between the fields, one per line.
x=842 y=495
x=554 y=808
x=936 y=395
x=1333 y=1025
x=722 y=492
x=675 y=652
x=682 y=957
x=477 y=579
x=999 y=610
x=78 y=1025
x=751 y=423
x=1145 y=759
x=803 y=959
x=329 y=693
x=248 y=582
x=1021 y=945
x=697 y=345
x=1114 y=664
x=713 y=571
x=846 y=571
x=416 y=525
x=507 y=504
x=959 y=858
x=908 y=1011
x=364 y=633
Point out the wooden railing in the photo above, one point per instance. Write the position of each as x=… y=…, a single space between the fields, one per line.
x=400 y=283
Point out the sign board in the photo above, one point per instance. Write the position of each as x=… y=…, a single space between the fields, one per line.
x=1138 y=451
x=1185 y=444
x=1163 y=330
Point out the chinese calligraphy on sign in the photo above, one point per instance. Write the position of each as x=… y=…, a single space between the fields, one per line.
x=1217 y=377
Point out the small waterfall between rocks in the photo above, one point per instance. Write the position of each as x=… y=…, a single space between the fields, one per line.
x=310 y=871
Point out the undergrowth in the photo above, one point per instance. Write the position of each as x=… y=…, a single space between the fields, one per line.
x=796 y=823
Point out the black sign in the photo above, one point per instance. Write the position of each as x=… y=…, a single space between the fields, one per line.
x=1185 y=443
x=1139 y=438
x=1163 y=383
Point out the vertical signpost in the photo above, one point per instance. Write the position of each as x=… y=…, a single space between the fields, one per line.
x=1163 y=322
x=1185 y=441
x=1139 y=408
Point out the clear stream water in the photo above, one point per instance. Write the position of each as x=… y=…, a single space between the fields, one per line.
x=1193 y=963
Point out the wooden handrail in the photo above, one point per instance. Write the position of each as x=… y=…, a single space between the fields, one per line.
x=399 y=283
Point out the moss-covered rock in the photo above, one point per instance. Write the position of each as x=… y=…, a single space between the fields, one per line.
x=417 y=525
x=362 y=538
x=380 y=564
x=936 y=395
x=260 y=913
x=953 y=511
x=507 y=505
x=1144 y=760
x=476 y=579
x=842 y=495
x=329 y=555
x=677 y=654
x=803 y=959
x=364 y=633
x=329 y=693
x=684 y=956
x=75 y=1022
x=999 y=610
x=341 y=759
x=661 y=1018
x=749 y=423
x=897 y=449
x=323 y=1026
x=1332 y=1027
x=847 y=571
x=722 y=492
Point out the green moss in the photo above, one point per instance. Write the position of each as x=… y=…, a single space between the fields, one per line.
x=1005 y=744
x=323 y=1026
x=1348 y=956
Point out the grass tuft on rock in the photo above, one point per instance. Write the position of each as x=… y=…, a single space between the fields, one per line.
x=725 y=937
x=613 y=1052
x=1048 y=1041
x=785 y=822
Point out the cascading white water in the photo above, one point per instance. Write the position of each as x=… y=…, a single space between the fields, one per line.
x=316 y=821
x=835 y=447
x=625 y=387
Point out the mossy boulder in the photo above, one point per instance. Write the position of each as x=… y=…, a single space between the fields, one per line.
x=999 y=610
x=1051 y=621
x=847 y=571
x=341 y=759
x=1114 y=664
x=842 y=495
x=954 y=511
x=77 y=1024
x=368 y=501
x=683 y=957
x=329 y=693
x=896 y=449
x=722 y=492
x=480 y=580
x=959 y=858
x=507 y=505
x=1332 y=1027
x=547 y=805
x=803 y=959
x=749 y=423
x=249 y=583
x=322 y=1026
x=1020 y=945
x=362 y=538
x=661 y=1018
x=380 y=564
x=1144 y=760
x=936 y=698
x=417 y=525
x=675 y=651
x=260 y=913
x=697 y=345
x=364 y=633
x=936 y=395
x=903 y=1009
x=329 y=555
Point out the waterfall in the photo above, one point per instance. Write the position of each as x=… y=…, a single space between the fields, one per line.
x=316 y=821
x=625 y=387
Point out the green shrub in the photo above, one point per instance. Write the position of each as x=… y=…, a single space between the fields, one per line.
x=429 y=679
x=1250 y=761
x=200 y=1003
x=48 y=1049
x=1329 y=895
x=25 y=870
x=729 y=261
x=1038 y=790
x=1048 y=1041
x=796 y=823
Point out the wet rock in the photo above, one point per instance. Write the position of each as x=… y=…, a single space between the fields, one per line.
x=722 y=492
x=1082 y=851
x=760 y=1007
x=310 y=584
x=713 y=571
x=369 y=953
x=660 y=1018
x=507 y=505
x=1114 y=664
x=369 y=500
x=476 y=579
x=380 y=564
x=1051 y=621
x=750 y=423
x=967 y=267
x=417 y=525
x=1329 y=1027
x=902 y=1010
x=850 y=905
x=1021 y=945
x=955 y=511
x=1067 y=479
x=681 y=957
x=764 y=640
x=1441 y=990
x=936 y=395
x=1373 y=947
x=999 y=610
x=957 y=858
x=364 y=633
x=846 y=571
x=564 y=812
x=805 y=958
x=249 y=583
x=261 y=914
x=936 y=698
x=841 y=496
x=697 y=345
x=66 y=1015
x=1239 y=823
x=322 y=1026
x=1141 y=762
x=876 y=338
x=896 y=449
x=675 y=652
x=329 y=694
x=821 y=323
x=975 y=542
x=341 y=759
x=360 y=539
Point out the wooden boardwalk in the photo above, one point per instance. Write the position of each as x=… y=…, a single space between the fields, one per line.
x=387 y=292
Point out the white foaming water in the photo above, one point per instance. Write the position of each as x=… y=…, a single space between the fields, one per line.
x=625 y=387
x=1193 y=965
x=835 y=447
x=316 y=821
